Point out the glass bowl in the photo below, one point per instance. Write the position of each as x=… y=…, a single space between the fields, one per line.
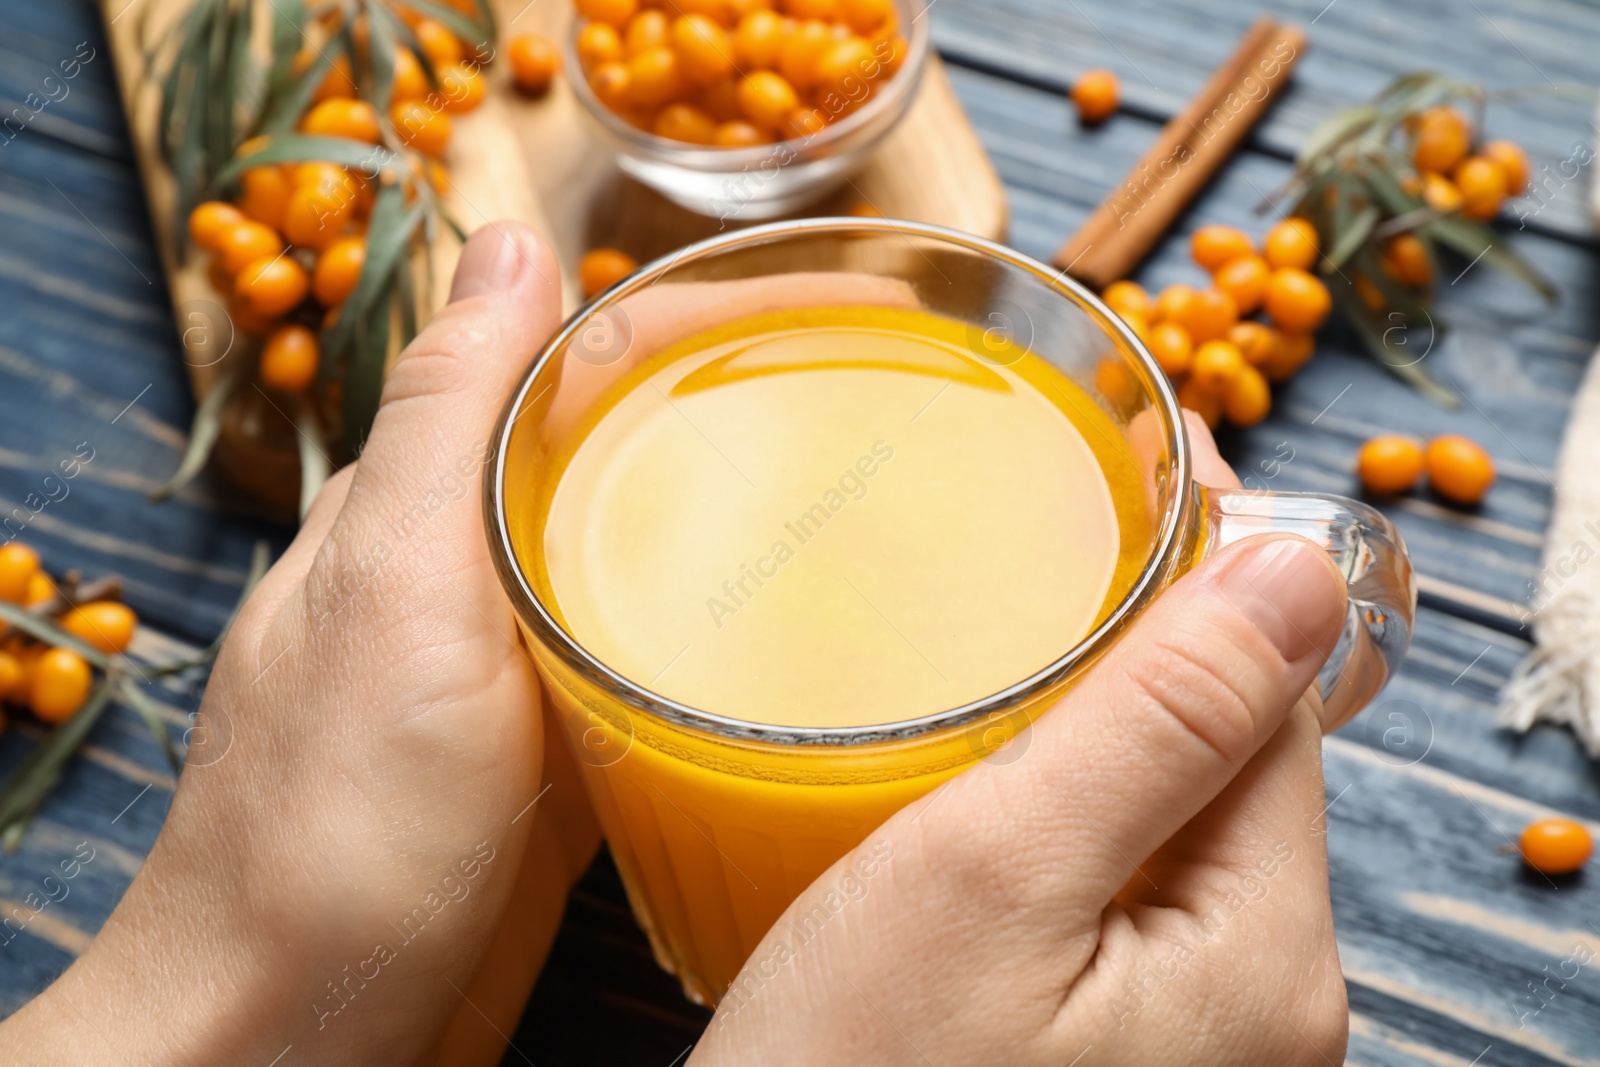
x=764 y=181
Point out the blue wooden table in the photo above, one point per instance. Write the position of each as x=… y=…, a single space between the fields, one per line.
x=1441 y=933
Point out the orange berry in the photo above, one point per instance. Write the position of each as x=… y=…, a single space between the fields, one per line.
x=865 y=16
x=899 y=47
x=1245 y=279
x=1255 y=341
x=1442 y=139
x=462 y=87
x=1208 y=315
x=705 y=51
x=272 y=285
x=1129 y=298
x=847 y=74
x=317 y=214
x=685 y=122
x=18 y=565
x=103 y=624
x=803 y=122
x=738 y=134
x=1441 y=193
x=12 y=678
x=265 y=192
x=210 y=220
x=1296 y=300
x=439 y=43
x=801 y=49
x=354 y=119
x=420 y=126
x=1174 y=302
x=1290 y=243
x=1483 y=187
x=654 y=77
x=601 y=268
x=1170 y=344
x=766 y=98
x=1213 y=246
x=646 y=30
x=611 y=83
x=410 y=83
x=1459 y=469
x=1246 y=399
x=289 y=359
x=1096 y=94
x=1288 y=356
x=1406 y=259
x=1202 y=402
x=59 y=685
x=1556 y=846
x=599 y=42
x=615 y=12
x=1369 y=292
x=758 y=41
x=1389 y=463
x=1513 y=163
x=720 y=100
x=826 y=10
x=41 y=588
x=337 y=84
x=338 y=270
x=534 y=61
x=1215 y=364
x=247 y=242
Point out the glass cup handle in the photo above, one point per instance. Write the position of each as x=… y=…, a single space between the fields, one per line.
x=1368 y=551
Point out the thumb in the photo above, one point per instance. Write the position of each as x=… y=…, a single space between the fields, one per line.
x=1157 y=729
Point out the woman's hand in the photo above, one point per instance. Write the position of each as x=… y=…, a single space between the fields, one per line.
x=1146 y=883
x=341 y=852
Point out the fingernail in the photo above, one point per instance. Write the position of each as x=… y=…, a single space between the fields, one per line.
x=490 y=262
x=1288 y=587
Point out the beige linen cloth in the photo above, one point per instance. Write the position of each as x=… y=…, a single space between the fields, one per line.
x=1559 y=681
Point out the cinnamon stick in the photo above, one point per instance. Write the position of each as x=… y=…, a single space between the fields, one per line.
x=1191 y=147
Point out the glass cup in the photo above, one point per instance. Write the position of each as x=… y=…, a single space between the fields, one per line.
x=718 y=823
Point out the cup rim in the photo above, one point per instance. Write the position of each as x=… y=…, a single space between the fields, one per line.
x=711 y=158
x=534 y=613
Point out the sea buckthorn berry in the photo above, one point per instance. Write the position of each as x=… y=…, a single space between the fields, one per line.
x=337 y=82
x=273 y=285
x=614 y=12
x=353 y=119
x=1139 y=325
x=601 y=268
x=1513 y=162
x=462 y=87
x=1246 y=399
x=1245 y=279
x=766 y=98
x=705 y=52
x=1442 y=139
x=11 y=678
x=849 y=72
x=1171 y=346
x=1116 y=382
x=338 y=270
x=1208 y=315
x=1096 y=94
x=1213 y=246
x=1406 y=260
x=1174 y=302
x=439 y=43
x=740 y=134
x=685 y=122
x=1483 y=187
x=534 y=61
x=289 y=359
x=41 y=588
x=803 y=122
x=892 y=53
x=726 y=12
x=1459 y=469
x=410 y=83
x=1296 y=300
x=18 y=565
x=1369 y=292
x=420 y=126
x=758 y=41
x=646 y=30
x=1389 y=463
x=264 y=194
x=1202 y=402
x=103 y=624
x=865 y=16
x=210 y=221
x=610 y=82
x=797 y=59
x=1556 y=846
x=1441 y=193
x=60 y=684
x=246 y=319
x=654 y=77
x=599 y=42
x=1255 y=341
x=1291 y=243
x=1129 y=298
x=1215 y=364
x=826 y=10
x=720 y=100
x=317 y=213
x=247 y=242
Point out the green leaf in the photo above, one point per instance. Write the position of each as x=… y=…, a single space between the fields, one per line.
x=380 y=56
x=288 y=29
x=1333 y=130
x=300 y=147
x=474 y=31
x=1473 y=240
x=141 y=704
x=1374 y=332
x=203 y=431
x=1354 y=234
x=290 y=104
x=50 y=632
x=31 y=782
x=389 y=233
